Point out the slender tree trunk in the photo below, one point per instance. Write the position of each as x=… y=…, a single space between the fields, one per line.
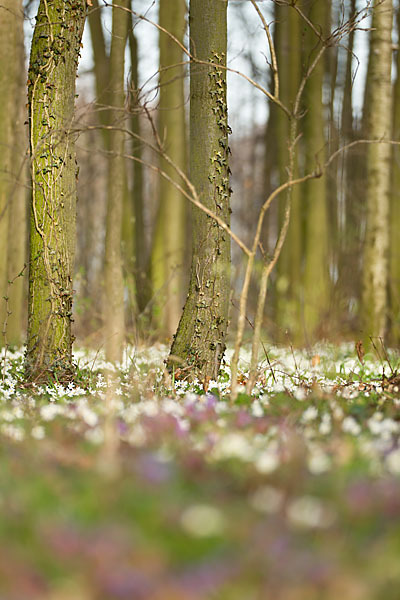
x=168 y=253
x=288 y=48
x=138 y=232
x=114 y=284
x=394 y=281
x=375 y=268
x=13 y=144
x=101 y=63
x=199 y=343
x=316 y=268
x=349 y=249
x=17 y=229
x=51 y=93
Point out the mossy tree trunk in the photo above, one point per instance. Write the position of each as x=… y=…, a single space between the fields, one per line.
x=114 y=283
x=51 y=93
x=316 y=267
x=168 y=252
x=375 y=267
x=199 y=343
x=13 y=142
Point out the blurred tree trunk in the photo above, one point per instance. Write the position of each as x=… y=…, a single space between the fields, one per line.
x=101 y=65
x=13 y=181
x=8 y=60
x=168 y=252
x=394 y=280
x=375 y=267
x=138 y=233
x=104 y=97
x=51 y=94
x=352 y=166
x=288 y=49
x=113 y=274
x=316 y=267
x=17 y=230
x=199 y=343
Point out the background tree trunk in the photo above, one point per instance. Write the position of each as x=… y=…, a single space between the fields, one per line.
x=168 y=252
x=12 y=180
x=288 y=49
x=375 y=268
x=51 y=92
x=394 y=280
x=199 y=344
x=113 y=275
x=17 y=229
x=101 y=66
x=316 y=267
x=138 y=231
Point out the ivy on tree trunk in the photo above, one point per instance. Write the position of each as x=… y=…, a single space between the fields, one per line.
x=199 y=343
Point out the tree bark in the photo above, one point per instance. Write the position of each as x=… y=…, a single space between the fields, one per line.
x=375 y=267
x=114 y=284
x=199 y=343
x=51 y=94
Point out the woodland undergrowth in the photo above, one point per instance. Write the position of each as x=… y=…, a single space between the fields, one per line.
x=130 y=484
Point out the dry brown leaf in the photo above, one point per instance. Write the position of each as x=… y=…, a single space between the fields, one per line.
x=316 y=359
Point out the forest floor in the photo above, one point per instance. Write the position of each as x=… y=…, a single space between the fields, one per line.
x=148 y=489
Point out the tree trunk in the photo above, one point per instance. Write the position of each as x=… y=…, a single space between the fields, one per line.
x=17 y=229
x=288 y=49
x=138 y=232
x=375 y=267
x=51 y=94
x=12 y=172
x=101 y=64
x=351 y=164
x=199 y=343
x=394 y=281
x=316 y=268
x=168 y=253
x=114 y=284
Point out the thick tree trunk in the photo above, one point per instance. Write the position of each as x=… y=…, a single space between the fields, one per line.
x=114 y=284
x=375 y=268
x=13 y=144
x=168 y=252
x=51 y=92
x=199 y=344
